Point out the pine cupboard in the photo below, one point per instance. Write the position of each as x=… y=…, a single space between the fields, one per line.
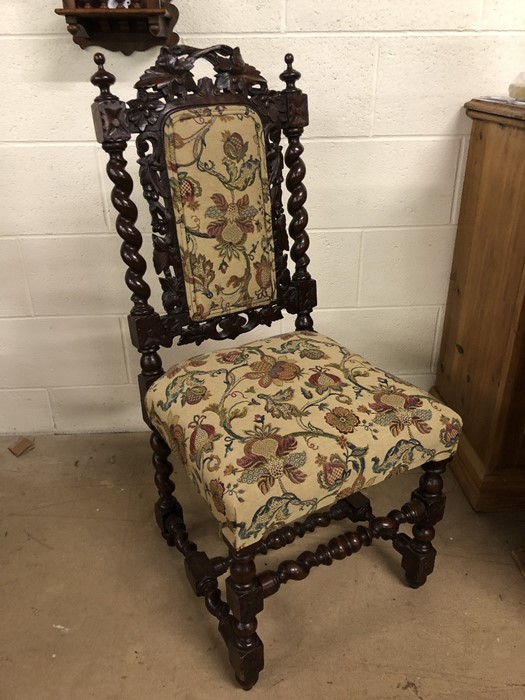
x=481 y=369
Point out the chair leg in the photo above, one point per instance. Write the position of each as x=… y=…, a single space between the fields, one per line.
x=418 y=553
x=245 y=598
x=166 y=504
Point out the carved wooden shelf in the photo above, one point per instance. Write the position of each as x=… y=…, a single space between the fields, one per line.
x=145 y=23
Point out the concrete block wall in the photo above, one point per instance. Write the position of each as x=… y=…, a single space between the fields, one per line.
x=385 y=154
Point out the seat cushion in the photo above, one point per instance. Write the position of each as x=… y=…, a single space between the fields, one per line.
x=278 y=428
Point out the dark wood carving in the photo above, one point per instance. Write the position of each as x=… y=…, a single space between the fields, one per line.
x=245 y=598
x=169 y=85
x=341 y=547
x=112 y=129
x=418 y=553
x=167 y=505
x=304 y=289
x=246 y=590
x=133 y=25
x=356 y=507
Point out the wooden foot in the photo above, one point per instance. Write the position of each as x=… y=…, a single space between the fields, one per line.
x=418 y=553
x=247 y=663
x=245 y=598
x=417 y=560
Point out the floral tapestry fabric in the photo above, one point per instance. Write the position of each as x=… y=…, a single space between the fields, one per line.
x=215 y=157
x=279 y=428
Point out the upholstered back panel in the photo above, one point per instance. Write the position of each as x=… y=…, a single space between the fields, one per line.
x=216 y=163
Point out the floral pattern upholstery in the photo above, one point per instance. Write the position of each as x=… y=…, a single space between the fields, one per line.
x=278 y=428
x=216 y=163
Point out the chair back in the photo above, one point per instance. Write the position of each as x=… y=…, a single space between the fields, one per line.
x=211 y=170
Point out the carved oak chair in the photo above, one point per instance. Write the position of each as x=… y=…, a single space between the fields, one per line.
x=290 y=427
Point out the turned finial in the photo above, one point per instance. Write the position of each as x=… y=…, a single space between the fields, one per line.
x=102 y=79
x=290 y=76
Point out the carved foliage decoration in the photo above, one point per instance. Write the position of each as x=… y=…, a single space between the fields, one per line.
x=172 y=77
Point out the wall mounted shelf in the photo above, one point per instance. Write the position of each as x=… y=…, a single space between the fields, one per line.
x=121 y=25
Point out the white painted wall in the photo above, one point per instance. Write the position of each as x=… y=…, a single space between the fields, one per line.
x=385 y=152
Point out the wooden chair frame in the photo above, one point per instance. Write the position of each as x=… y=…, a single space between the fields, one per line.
x=164 y=87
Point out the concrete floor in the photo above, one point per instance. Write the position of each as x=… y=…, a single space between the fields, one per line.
x=94 y=605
